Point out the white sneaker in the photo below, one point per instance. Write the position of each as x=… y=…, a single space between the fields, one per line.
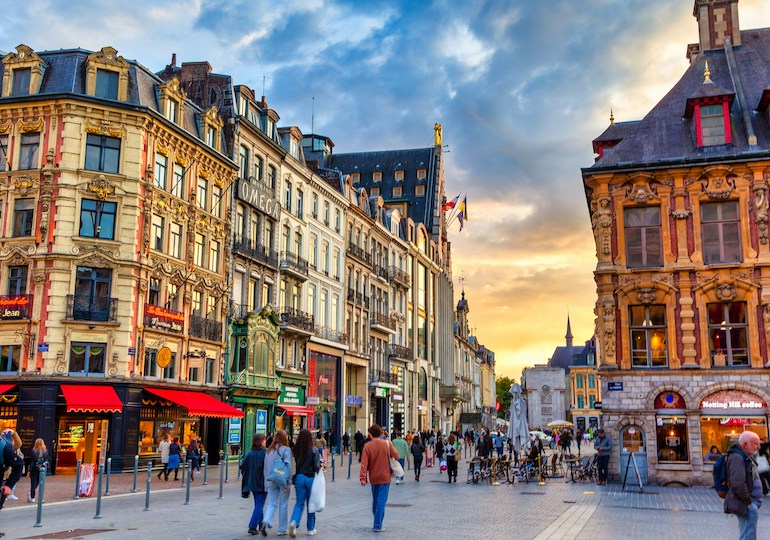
x=292 y=527
x=312 y=533
x=12 y=497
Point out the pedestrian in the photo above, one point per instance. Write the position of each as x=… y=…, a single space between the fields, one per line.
x=253 y=471
x=14 y=441
x=308 y=463
x=579 y=439
x=39 y=460
x=417 y=449
x=345 y=443
x=603 y=445
x=499 y=445
x=450 y=452
x=375 y=463
x=193 y=456
x=9 y=459
x=744 y=494
x=174 y=458
x=403 y=452
x=277 y=494
x=359 y=439
x=439 y=451
x=164 y=447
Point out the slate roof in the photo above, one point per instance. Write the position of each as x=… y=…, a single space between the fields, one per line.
x=663 y=136
x=420 y=209
x=561 y=357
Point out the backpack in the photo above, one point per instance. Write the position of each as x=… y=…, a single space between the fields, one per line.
x=280 y=472
x=720 y=476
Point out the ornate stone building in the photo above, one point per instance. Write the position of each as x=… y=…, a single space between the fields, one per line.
x=678 y=202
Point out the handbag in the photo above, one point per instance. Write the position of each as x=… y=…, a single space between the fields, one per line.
x=763 y=465
x=317 y=500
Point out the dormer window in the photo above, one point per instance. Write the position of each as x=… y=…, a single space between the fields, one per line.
x=377 y=176
x=106 y=84
x=712 y=122
x=398 y=175
x=355 y=178
x=21 y=78
x=22 y=72
x=710 y=105
x=107 y=75
x=172 y=111
x=172 y=99
x=422 y=174
x=212 y=124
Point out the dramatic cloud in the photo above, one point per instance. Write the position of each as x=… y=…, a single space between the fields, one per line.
x=521 y=88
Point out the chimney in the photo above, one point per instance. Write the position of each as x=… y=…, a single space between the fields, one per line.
x=195 y=71
x=717 y=20
x=173 y=59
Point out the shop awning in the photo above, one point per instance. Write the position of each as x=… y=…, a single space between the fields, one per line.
x=296 y=410
x=5 y=387
x=198 y=403
x=378 y=384
x=91 y=398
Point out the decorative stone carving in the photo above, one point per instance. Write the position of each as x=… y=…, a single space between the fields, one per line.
x=61 y=365
x=6 y=127
x=624 y=280
x=608 y=318
x=23 y=184
x=204 y=173
x=112 y=370
x=602 y=225
x=38 y=277
x=681 y=214
x=100 y=187
x=31 y=126
x=22 y=249
x=726 y=292
x=161 y=148
x=105 y=127
x=641 y=192
x=719 y=187
x=668 y=279
x=760 y=212
x=646 y=295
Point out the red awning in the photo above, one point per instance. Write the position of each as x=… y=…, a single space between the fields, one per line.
x=296 y=410
x=91 y=398
x=5 y=387
x=198 y=403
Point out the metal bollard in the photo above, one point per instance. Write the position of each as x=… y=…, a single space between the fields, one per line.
x=184 y=467
x=187 y=494
x=332 y=465
x=205 y=467
x=227 y=469
x=221 y=475
x=99 y=493
x=240 y=459
x=77 y=482
x=350 y=463
x=147 y=489
x=136 y=472
x=109 y=468
x=40 y=495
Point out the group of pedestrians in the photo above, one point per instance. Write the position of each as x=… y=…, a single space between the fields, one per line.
x=171 y=457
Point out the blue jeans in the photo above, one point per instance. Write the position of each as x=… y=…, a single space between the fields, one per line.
x=259 y=505
x=747 y=525
x=403 y=466
x=379 y=498
x=277 y=497
x=302 y=486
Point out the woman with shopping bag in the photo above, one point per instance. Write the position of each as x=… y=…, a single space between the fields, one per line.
x=308 y=463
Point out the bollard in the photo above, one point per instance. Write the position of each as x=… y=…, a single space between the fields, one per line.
x=187 y=494
x=227 y=469
x=350 y=463
x=136 y=472
x=184 y=467
x=540 y=482
x=99 y=493
x=40 y=495
x=205 y=467
x=147 y=489
x=109 y=468
x=77 y=482
x=240 y=459
x=221 y=475
x=332 y=465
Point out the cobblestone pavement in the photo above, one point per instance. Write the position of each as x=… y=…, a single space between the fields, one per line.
x=559 y=509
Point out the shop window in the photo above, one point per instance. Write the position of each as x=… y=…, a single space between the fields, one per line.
x=107 y=84
x=720 y=231
x=643 y=237
x=103 y=154
x=97 y=219
x=728 y=334
x=724 y=431
x=23 y=217
x=161 y=167
x=87 y=358
x=648 y=336
x=672 y=439
x=17 y=280
x=29 y=150
x=10 y=356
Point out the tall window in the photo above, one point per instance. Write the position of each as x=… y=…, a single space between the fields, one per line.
x=17 y=280
x=720 y=226
x=197 y=303
x=243 y=154
x=287 y=197
x=172 y=110
x=258 y=167
x=322 y=308
x=3 y=152
x=23 y=214
x=153 y=298
x=315 y=205
x=177 y=180
x=214 y=256
x=337 y=220
x=202 y=193
x=87 y=358
x=285 y=239
x=97 y=219
x=327 y=211
x=300 y=203
x=176 y=240
x=311 y=301
x=21 y=78
x=172 y=297
x=92 y=294
x=106 y=84
x=712 y=121
x=579 y=380
x=267 y=240
x=643 y=237
x=216 y=201
x=728 y=334
x=28 y=151
x=10 y=355
x=298 y=244
x=336 y=263
x=271 y=177
x=102 y=153
x=200 y=242
x=648 y=336
x=312 y=251
x=161 y=163
x=325 y=257
x=157 y=233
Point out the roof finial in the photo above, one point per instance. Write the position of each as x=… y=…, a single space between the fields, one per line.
x=707 y=75
x=612 y=118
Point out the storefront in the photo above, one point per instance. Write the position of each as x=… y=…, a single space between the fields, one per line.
x=9 y=406
x=258 y=412
x=323 y=382
x=728 y=413
x=292 y=414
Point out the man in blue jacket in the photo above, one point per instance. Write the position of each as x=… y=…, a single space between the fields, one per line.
x=744 y=496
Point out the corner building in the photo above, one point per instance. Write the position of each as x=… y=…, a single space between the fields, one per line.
x=679 y=208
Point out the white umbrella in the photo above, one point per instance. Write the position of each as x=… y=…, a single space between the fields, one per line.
x=518 y=430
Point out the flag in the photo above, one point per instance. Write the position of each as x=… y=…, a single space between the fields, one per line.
x=462 y=213
x=450 y=204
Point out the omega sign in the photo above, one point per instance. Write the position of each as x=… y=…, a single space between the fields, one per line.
x=250 y=192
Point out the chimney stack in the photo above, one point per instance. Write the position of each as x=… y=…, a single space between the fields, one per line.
x=173 y=59
x=717 y=20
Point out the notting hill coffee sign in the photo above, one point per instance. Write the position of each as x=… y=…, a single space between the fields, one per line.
x=733 y=399
x=251 y=192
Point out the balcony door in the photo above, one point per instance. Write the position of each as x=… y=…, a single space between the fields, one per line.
x=92 y=294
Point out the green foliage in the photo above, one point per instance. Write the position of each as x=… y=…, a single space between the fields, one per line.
x=503 y=384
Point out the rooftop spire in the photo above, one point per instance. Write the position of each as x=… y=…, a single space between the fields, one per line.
x=568 y=337
x=612 y=118
x=707 y=74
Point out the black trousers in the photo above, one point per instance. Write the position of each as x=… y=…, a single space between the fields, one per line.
x=451 y=468
x=417 y=468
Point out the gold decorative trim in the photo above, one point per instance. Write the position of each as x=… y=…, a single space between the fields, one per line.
x=23 y=184
x=203 y=173
x=6 y=128
x=161 y=149
x=100 y=187
x=105 y=127
x=183 y=161
x=32 y=125
x=219 y=181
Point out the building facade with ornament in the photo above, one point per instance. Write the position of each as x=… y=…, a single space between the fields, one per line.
x=679 y=204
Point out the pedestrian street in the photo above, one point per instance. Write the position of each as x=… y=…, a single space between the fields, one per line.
x=558 y=509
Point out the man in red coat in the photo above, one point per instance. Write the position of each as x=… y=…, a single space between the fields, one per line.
x=375 y=461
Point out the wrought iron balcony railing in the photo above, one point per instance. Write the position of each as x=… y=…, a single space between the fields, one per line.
x=359 y=253
x=294 y=263
x=255 y=251
x=297 y=319
x=379 y=375
x=332 y=335
x=91 y=308
x=398 y=275
x=400 y=351
x=384 y=321
x=204 y=328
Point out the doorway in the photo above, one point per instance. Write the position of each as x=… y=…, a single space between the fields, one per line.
x=80 y=439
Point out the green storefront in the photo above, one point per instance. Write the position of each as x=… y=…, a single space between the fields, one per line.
x=251 y=375
x=293 y=414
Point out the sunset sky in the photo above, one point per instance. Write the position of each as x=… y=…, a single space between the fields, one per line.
x=520 y=87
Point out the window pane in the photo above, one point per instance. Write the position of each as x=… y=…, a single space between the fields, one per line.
x=657 y=315
x=21 y=82
x=716 y=313
x=634 y=247
x=637 y=315
x=30 y=143
x=106 y=84
x=712 y=252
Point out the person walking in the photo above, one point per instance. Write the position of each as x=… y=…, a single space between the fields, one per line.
x=403 y=452
x=9 y=459
x=359 y=439
x=345 y=443
x=603 y=445
x=39 y=460
x=450 y=452
x=253 y=471
x=439 y=450
x=744 y=494
x=375 y=463
x=164 y=447
x=193 y=456
x=308 y=462
x=277 y=494
x=417 y=449
x=174 y=458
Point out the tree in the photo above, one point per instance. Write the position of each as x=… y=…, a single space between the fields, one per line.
x=503 y=384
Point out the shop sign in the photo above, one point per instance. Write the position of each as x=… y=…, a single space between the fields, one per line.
x=398 y=397
x=234 y=433
x=261 y=426
x=292 y=395
x=250 y=192
x=353 y=401
x=380 y=392
x=733 y=399
x=164 y=357
x=313 y=400
x=615 y=386
x=160 y=318
x=15 y=307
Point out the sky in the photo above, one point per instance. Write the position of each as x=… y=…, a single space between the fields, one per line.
x=521 y=87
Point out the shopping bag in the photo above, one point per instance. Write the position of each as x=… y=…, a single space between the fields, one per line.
x=442 y=465
x=396 y=470
x=317 y=500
